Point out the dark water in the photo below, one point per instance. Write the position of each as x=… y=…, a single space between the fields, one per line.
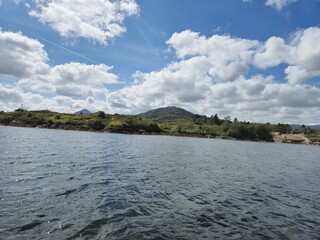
x=67 y=185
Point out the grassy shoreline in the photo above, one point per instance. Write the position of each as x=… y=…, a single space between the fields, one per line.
x=203 y=127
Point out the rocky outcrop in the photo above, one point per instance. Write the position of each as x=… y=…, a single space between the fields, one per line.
x=290 y=138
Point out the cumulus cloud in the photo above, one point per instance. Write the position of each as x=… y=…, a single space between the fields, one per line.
x=302 y=55
x=72 y=79
x=274 y=52
x=21 y=56
x=181 y=82
x=307 y=49
x=25 y=58
x=198 y=79
x=229 y=57
x=100 y=22
x=12 y=98
x=8 y=95
x=209 y=75
x=277 y=4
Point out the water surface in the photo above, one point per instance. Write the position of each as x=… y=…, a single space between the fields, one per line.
x=81 y=185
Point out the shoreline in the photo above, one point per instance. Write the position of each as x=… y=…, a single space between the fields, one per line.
x=285 y=138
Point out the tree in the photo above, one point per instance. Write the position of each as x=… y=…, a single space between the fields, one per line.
x=227 y=119
x=282 y=128
x=215 y=120
x=263 y=132
x=101 y=114
x=241 y=131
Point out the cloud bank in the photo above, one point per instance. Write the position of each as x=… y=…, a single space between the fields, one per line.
x=209 y=75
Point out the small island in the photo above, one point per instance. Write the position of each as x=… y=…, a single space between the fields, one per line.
x=172 y=121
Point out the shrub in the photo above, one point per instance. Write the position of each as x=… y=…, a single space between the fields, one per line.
x=57 y=117
x=101 y=114
x=241 y=131
x=32 y=120
x=263 y=133
x=96 y=125
x=152 y=127
x=6 y=120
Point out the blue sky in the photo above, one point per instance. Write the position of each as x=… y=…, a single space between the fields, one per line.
x=255 y=60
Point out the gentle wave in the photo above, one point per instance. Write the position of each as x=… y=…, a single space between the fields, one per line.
x=77 y=185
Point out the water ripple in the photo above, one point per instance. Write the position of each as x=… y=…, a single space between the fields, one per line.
x=78 y=185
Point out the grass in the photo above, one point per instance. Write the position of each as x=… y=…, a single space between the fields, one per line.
x=134 y=124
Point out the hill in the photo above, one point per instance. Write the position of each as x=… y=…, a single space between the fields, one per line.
x=167 y=114
x=83 y=111
x=314 y=127
x=166 y=121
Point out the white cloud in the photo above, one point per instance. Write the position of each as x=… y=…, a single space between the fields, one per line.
x=274 y=52
x=302 y=55
x=72 y=79
x=297 y=75
x=100 y=22
x=277 y=4
x=25 y=58
x=195 y=81
x=305 y=60
x=8 y=95
x=229 y=57
x=209 y=76
x=12 y=98
x=21 y=56
x=307 y=49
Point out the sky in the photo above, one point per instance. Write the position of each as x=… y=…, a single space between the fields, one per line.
x=257 y=60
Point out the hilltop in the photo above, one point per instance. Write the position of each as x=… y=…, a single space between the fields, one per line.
x=83 y=111
x=167 y=114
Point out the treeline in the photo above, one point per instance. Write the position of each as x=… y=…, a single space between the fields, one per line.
x=92 y=122
x=198 y=125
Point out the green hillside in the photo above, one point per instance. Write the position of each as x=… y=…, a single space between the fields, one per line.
x=166 y=121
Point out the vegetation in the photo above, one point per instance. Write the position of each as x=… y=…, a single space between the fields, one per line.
x=166 y=121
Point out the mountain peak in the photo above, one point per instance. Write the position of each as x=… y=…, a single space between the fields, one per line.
x=170 y=113
x=83 y=111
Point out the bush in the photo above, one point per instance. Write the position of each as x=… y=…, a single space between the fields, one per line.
x=152 y=127
x=6 y=120
x=57 y=117
x=240 y=131
x=96 y=125
x=263 y=133
x=101 y=114
x=33 y=121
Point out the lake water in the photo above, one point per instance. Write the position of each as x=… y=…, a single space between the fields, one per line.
x=81 y=185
